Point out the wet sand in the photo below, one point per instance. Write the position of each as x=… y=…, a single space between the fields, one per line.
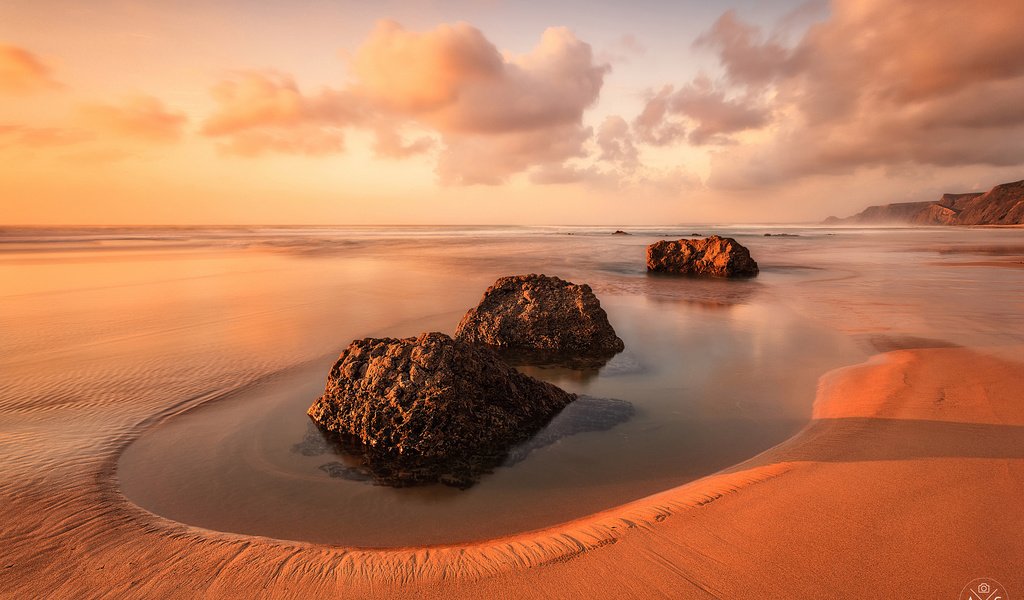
x=907 y=482
x=908 y=479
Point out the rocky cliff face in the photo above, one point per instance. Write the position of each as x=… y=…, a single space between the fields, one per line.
x=1002 y=205
x=957 y=201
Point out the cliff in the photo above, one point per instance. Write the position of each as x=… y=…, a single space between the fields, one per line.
x=1002 y=205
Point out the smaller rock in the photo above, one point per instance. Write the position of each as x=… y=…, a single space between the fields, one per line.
x=620 y=232
x=526 y=315
x=712 y=256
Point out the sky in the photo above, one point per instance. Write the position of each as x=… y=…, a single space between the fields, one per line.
x=501 y=112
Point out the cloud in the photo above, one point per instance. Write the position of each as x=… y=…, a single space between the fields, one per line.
x=745 y=55
x=98 y=132
x=877 y=84
x=95 y=134
x=714 y=115
x=415 y=72
x=616 y=143
x=654 y=126
x=138 y=117
x=550 y=86
x=260 y=112
x=617 y=166
x=388 y=143
x=491 y=159
x=22 y=72
x=711 y=115
x=494 y=114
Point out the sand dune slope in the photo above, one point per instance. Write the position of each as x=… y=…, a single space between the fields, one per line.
x=908 y=483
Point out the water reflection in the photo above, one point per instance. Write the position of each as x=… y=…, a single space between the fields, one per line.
x=580 y=370
x=359 y=462
x=699 y=292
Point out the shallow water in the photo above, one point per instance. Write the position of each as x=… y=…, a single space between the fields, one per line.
x=106 y=330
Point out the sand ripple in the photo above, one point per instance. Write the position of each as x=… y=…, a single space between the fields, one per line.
x=69 y=533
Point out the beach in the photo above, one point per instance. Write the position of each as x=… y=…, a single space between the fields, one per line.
x=884 y=386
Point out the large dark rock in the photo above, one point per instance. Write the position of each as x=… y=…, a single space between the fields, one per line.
x=347 y=459
x=540 y=317
x=431 y=398
x=714 y=256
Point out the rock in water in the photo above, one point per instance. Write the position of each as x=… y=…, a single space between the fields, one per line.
x=715 y=256
x=541 y=316
x=352 y=461
x=432 y=398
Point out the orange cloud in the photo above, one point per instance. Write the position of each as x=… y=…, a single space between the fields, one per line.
x=495 y=115
x=550 y=86
x=257 y=99
x=138 y=117
x=413 y=72
x=259 y=112
x=529 y=114
x=23 y=72
x=928 y=82
x=97 y=132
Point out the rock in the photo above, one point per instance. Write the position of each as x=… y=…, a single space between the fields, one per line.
x=782 y=235
x=431 y=398
x=715 y=256
x=534 y=318
x=1002 y=205
x=352 y=462
x=620 y=232
x=887 y=214
x=935 y=215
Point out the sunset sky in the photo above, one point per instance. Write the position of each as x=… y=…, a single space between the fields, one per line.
x=490 y=111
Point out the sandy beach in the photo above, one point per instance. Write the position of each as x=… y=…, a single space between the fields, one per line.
x=901 y=472
x=901 y=483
